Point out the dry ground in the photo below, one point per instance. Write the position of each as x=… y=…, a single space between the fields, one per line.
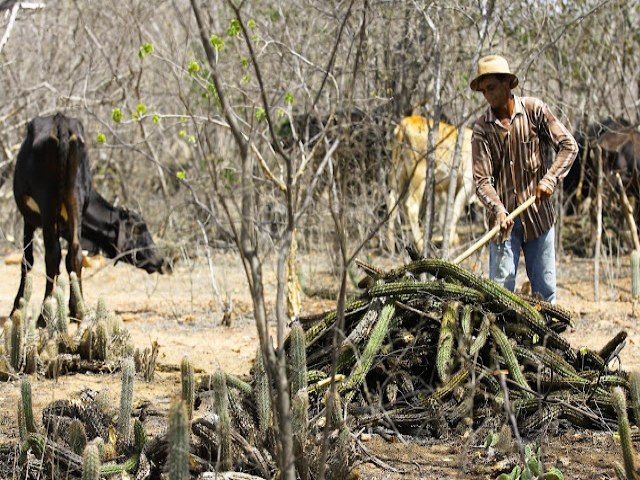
x=182 y=313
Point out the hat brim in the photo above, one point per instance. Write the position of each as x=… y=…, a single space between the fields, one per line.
x=475 y=81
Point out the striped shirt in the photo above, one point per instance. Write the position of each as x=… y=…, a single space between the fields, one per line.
x=509 y=162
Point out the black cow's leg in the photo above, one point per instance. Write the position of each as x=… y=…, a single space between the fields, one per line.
x=52 y=257
x=27 y=262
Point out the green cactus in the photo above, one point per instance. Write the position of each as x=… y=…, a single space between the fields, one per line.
x=509 y=357
x=188 y=384
x=221 y=408
x=17 y=344
x=76 y=296
x=7 y=329
x=178 y=455
x=22 y=429
x=139 y=435
x=77 y=436
x=298 y=359
x=262 y=394
x=635 y=274
x=91 y=463
x=300 y=426
x=27 y=405
x=126 y=401
x=102 y=341
x=48 y=313
x=634 y=380
x=620 y=405
x=101 y=310
x=63 y=321
x=235 y=382
x=445 y=340
x=333 y=409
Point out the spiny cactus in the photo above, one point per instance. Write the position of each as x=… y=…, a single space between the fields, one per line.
x=76 y=296
x=63 y=322
x=91 y=463
x=48 y=313
x=77 y=436
x=298 y=359
x=445 y=340
x=634 y=381
x=126 y=401
x=262 y=394
x=7 y=328
x=22 y=429
x=27 y=405
x=620 y=405
x=139 y=435
x=16 y=340
x=221 y=408
x=102 y=341
x=178 y=457
x=188 y=384
x=300 y=426
x=333 y=409
x=101 y=310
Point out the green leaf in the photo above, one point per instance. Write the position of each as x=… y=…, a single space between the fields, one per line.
x=155 y=118
x=192 y=139
x=145 y=49
x=234 y=29
x=116 y=115
x=251 y=23
x=182 y=133
x=246 y=78
x=216 y=42
x=181 y=175
x=553 y=474
x=141 y=109
x=101 y=138
x=260 y=113
x=244 y=62
x=584 y=350
x=491 y=440
x=288 y=98
x=193 y=67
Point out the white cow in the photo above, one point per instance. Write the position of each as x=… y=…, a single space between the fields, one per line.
x=409 y=156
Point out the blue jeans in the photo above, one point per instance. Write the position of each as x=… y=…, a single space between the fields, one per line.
x=539 y=256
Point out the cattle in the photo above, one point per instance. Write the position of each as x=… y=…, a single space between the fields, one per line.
x=53 y=191
x=408 y=169
x=620 y=144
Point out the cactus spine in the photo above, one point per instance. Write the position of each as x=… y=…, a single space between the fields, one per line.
x=101 y=310
x=77 y=436
x=27 y=405
x=221 y=408
x=178 y=457
x=126 y=400
x=139 y=435
x=16 y=340
x=298 y=359
x=620 y=405
x=91 y=463
x=634 y=380
x=635 y=274
x=262 y=394
x=188 y=384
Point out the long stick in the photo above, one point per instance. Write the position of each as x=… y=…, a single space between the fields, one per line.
x=491 y=233
x=628 y=213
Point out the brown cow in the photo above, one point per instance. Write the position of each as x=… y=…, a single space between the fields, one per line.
x=409 y=157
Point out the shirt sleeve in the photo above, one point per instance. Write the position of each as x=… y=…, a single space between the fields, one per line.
x=483 y=173
x=563 y=143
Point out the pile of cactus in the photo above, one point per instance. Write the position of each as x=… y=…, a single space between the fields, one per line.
x=430 y=348
x=94 y=345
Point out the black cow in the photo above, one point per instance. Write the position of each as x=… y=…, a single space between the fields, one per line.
x=52 y=188
x=620 y=144
x=121 y=234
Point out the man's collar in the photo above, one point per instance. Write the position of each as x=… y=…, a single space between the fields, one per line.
x=518 y=109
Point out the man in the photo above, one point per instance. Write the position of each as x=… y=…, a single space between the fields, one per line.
x=510 y=143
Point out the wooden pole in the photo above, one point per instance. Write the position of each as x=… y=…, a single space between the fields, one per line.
x=596 y=256
x=492 y=233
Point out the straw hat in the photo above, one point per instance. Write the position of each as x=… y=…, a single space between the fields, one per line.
x=491 y=65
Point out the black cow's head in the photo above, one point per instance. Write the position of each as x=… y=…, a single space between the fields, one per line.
x=136 y=245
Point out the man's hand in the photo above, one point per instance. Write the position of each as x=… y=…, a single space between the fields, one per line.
x=542 y=193
x=504 y=222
